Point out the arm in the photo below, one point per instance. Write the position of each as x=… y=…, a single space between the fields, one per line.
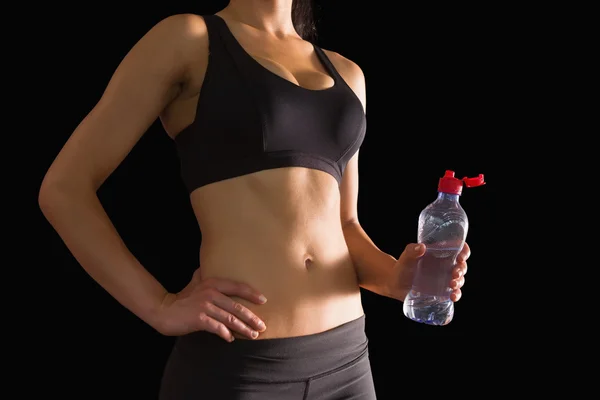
x=147 y=80
x=377 y=271
x=374 y=267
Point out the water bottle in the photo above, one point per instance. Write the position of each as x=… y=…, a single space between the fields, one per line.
x=442 y=228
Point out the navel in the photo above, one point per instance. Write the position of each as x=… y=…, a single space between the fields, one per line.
x=308 y=262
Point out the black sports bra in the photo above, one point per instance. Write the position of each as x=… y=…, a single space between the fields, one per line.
x=249 y=119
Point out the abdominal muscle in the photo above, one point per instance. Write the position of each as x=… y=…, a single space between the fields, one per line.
x=280 y=232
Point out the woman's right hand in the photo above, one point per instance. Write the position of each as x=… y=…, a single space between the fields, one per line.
x=206 y=305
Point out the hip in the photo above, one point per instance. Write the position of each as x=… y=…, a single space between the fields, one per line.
x=310 y=366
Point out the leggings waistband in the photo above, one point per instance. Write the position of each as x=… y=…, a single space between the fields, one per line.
x=275 y=360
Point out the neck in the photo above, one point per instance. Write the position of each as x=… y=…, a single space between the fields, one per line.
x=271 y=16
x=448 y=197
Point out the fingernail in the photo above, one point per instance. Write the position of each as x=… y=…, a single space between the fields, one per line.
x=262 y=299
x=261 y=325
x=254 y=334
x=418 y=247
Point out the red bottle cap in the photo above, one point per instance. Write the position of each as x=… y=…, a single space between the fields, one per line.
x=451 y=185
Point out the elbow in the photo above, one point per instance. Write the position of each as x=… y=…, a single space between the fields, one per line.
x=48 y=196
x=49 y=188
x=45 y=194
x=54 y=193
x=349 y=222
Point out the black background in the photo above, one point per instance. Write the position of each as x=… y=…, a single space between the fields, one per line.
x=437 y=83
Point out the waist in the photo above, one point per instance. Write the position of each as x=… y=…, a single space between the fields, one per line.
x=310 y=284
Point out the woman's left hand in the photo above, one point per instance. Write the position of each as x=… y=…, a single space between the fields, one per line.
x=405 y=267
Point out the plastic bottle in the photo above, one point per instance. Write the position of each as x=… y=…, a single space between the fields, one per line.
x=442 y=227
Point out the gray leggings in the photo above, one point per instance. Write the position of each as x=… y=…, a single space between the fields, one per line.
x=333 y=365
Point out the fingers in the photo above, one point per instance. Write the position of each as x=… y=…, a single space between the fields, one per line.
x=224 y=316
x=241 y=290
x=238 y=317
x=465 y=253
x=458 y=281
x=230 y=322
x=209 y=324
x=456 y=295
x=459 y=270
x=413 y=250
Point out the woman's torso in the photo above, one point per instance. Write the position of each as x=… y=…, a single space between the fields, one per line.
x=277 y=229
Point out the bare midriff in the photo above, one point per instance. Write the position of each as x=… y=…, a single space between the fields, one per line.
x=280 y=231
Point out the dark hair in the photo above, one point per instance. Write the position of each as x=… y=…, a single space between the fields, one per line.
x=303 y=17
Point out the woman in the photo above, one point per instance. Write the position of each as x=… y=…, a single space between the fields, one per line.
x=268 y=128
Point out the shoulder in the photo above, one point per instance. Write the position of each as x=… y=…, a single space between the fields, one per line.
x=350 y=71
x=345 y=65
x=188 y=27
x=177 y=37
x=182 y=40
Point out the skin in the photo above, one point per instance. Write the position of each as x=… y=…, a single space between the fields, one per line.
x=295 y=238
